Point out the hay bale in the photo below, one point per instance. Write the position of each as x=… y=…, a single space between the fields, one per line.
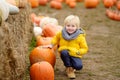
x=15 y=36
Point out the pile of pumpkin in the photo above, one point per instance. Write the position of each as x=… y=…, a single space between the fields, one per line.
x=42 y=58
x=57 y=4
x=113 y=9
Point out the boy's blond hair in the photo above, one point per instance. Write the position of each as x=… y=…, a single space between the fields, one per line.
x=72 y=19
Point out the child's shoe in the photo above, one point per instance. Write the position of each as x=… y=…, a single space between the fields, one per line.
x=70 y=73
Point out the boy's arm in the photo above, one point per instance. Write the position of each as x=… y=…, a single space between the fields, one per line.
x=83 y=46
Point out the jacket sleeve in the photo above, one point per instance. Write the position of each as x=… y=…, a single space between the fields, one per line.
x=56 y=39
x=83 y=45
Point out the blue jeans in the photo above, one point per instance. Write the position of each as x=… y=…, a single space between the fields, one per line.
x=70 y=61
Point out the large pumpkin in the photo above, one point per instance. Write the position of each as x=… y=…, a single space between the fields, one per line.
x=43 y=40
x=41 y=71
x=42 y=54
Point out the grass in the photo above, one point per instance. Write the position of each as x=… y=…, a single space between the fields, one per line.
x=32 y=44
x=31 y=47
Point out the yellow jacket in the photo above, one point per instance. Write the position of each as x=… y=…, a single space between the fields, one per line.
x=76 y=47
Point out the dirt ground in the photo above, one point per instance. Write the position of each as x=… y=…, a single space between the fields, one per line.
x=102 y=62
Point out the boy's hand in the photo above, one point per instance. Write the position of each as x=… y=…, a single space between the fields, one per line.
x=78 y=53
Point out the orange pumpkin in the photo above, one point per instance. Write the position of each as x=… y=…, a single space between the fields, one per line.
x=55 y=4
x=52 y=3
x=42 y=54
x=108 y=3
x=91 y=3
x=115 y=1
x=37 y=20
x=118 y=5
x=34 y=3
x=80 y=0
x=72 y=4
x=67 y=1
x=110 y=13
x=43 y=2
x=43 y=40
x=58 y=5
x=50 y=30
x=59 y=0
x=117 y=16
x=32 y=17
x=41 y=71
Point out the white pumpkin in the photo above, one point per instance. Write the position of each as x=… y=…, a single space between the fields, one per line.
x=4 y=9
x=13 y=9
x=48 y=20
x=37 y=30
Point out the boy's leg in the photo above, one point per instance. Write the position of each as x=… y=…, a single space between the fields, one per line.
x=76 y=63
x=67 y=62
x=65 y=58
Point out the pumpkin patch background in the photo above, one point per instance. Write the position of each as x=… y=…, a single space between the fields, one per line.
x=102 y=62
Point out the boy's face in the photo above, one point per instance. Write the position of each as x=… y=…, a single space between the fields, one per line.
x=71 y=28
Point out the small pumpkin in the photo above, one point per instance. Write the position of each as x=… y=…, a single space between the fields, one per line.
x=79 y=0
x=115 y=1
x=91 y=3
x=37 y=31
x=52 y=3
x=32 y=17
x=34 y=3
x=110 y=13
x=56 y=4
x=72 y=4
x=108 y=3
x=118 y=5
x=60 y=0
x=41 y=71
x=42 y=54
x=43 y=2
x=117 y=15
